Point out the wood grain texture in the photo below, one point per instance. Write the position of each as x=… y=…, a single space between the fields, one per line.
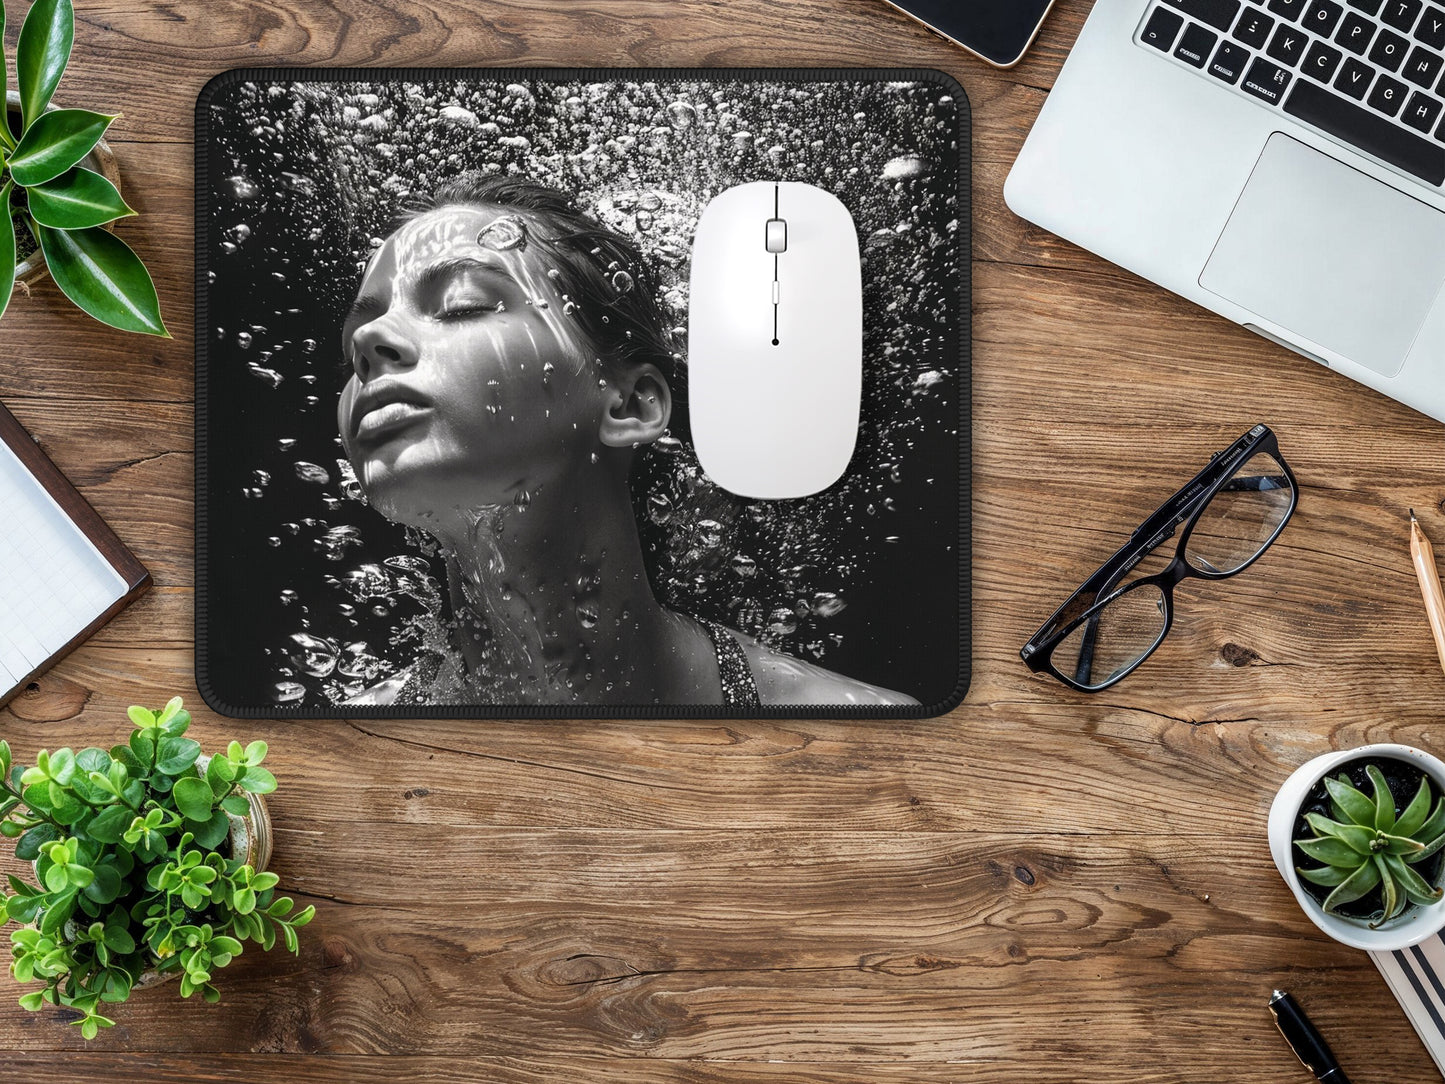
x=1042 y=886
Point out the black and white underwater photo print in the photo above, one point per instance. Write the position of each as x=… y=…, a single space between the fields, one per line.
x=445 y=464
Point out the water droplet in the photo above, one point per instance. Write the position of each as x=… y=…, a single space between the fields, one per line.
x=503 y=233
x=587 y=616
x=288 y=692
x=310 y=472
x=314 y=655
x=906 y=167
x=681 y=115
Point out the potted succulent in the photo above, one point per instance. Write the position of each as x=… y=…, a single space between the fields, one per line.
x=149 y=862
x=1359 y=836
x=58 y=193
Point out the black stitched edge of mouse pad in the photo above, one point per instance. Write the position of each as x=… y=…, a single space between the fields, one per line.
x=311 y=603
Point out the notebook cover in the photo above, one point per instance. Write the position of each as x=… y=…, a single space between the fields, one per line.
x=78 y=509
x=318 y=595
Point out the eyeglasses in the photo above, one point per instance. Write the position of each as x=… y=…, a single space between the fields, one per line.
x=1231 y=512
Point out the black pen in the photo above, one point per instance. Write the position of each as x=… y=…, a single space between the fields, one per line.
x=1307 y=1043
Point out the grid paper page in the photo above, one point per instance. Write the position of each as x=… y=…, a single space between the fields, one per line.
x=53 y=581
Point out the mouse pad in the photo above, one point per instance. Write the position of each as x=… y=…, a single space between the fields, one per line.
x=443 y=459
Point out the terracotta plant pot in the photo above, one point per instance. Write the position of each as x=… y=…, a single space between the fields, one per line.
x=102 y=160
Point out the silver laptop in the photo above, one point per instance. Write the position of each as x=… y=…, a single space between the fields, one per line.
x=1281 y=162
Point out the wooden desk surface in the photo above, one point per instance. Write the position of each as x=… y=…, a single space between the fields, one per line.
x=1042 y=886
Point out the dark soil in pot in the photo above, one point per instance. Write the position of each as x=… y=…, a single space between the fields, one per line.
x=1404 y=780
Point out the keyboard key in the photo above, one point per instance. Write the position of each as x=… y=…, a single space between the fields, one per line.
x=1266 y=80
x=1162 y=28
x=1321 y=62
x=1290 y=9
x=1367 y=131
x=1355 y=33
x=1228 y=63
x=1423 y=66
x=1288 y=44
x=1369 y=7
x=1355 y=79
x=1253 y=28
x=1389 y=50
x=1217 y=13
x=1323 y=17
x=1388 y=96
x=1422 y=112
x=1432 y=28
x=1196 y=45
x=1401 y=14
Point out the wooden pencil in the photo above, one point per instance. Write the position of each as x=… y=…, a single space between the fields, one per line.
x=1424 y=558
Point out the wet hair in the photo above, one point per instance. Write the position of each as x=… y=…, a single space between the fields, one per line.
x=599 y=270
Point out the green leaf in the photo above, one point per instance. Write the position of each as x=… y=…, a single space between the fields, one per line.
x=1354 y=886
x=92 y=760
x=1415 y=887
x=27 y=848
x=62 y=766
x=1433 y=827
x=1357 y=838
x=42 y=53
x=100 y=273
x=1416 y=812
x=243 y=901
x=210 y=834
x=236 y=805
x=1401 y=844
x=258 y=781
x=219 y=773
x=1328 y=876
x=194 y=799
x=1353 y=804
x=55 y=143
x=1384 y=800
x=262 y=881
x=7 y=286
x=291 y=941
x=305 y=915
x=168 y=712
x=78 y=198
x=56 y=879
x=141 y=717
x=1332 y=852
x=1430 y=849
x=106 y=886
x=255 y=752
x=31 y=1002
x=176 y=755
x=1389 y=892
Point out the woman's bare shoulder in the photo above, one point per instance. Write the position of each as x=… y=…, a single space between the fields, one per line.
x=785 y=680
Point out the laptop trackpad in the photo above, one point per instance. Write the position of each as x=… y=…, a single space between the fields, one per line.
x=1331 y=254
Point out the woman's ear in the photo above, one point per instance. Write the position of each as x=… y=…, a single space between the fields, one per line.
x=639 y=406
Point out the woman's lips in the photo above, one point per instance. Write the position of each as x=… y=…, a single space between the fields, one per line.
x=389 y=418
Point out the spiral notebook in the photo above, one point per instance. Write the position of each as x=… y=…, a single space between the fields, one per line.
x=63 y=572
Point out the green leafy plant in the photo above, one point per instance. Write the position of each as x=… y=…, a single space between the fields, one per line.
x=44 y=189
x=1370 y=845
x=131 y=856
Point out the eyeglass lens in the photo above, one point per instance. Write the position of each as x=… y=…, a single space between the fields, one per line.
x=1241 y=518
x=1239 y=521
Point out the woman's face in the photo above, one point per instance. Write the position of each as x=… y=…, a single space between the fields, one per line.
x=470 y=382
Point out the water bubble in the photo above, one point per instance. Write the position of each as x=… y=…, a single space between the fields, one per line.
x=827 y=604
x=906 y=167
x=308 y=346
x=659 y=508
x=681 y=115
x=285 y=444
x=744 y=566
x=336 y=541
x=241 y=188
x=347 y=481
x=288 y=692
x=709 y=533
x=458 y=115
x=622 y=282
x=261 y=478
x=273 y=542
x=521 y=499
x=243 y=340
x=783 y=621
x=268 y=376
x=587 y=616
x=314 y=655
x=310 y=472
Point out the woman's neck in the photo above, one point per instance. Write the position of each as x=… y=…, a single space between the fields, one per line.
x=553 y=602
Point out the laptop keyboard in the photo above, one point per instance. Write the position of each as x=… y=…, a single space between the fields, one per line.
x=1370 y=73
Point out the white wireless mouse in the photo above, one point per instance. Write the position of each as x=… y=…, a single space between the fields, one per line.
x=775 y=340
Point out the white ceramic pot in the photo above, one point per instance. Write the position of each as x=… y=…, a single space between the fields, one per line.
x=1417 y=923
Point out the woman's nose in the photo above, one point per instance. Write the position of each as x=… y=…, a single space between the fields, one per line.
x=381 y=346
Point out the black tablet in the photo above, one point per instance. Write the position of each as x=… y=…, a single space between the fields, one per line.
x=1000 y=31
